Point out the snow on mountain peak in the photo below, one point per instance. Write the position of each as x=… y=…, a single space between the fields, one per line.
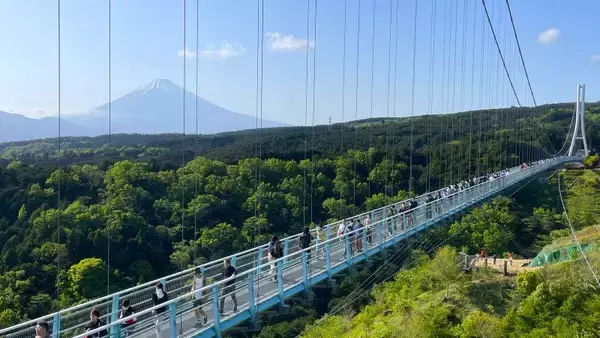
x=164 y=85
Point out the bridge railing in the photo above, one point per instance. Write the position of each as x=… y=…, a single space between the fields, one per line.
x=139 y=296
x=70 y=321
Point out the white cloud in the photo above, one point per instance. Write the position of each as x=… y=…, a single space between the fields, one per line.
x=550 y=35
x=186 y=53
x=226 y=50
x=288 y=43
x=595 y=58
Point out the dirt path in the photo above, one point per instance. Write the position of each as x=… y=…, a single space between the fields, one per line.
x=516 y=267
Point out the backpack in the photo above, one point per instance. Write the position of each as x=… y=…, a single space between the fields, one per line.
x=305 y=241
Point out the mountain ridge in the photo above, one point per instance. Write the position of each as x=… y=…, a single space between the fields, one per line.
x=155 y=107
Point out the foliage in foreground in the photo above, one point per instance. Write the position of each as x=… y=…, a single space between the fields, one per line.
x=436 y=299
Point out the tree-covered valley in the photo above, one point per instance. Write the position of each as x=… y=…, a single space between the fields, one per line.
x=163 y=204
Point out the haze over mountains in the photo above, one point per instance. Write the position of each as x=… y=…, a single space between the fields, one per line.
x=156 y=107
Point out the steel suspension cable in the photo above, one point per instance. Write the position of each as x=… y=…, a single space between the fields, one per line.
x=195 y=248
x=355 y=174
x=109 y=129
x=472 y=88
x=500 y=52
x=412 y=108
x=431 y=90
x=343 y=154
x=462 y=89
x=258 y=125
x=525 y=67
x=481 y=99
x=393 y=162
x=314 y=77
x=371 y=90
x=454 y=35
x=58 y=167
x=306 y=112
x=443 y=160
x=388 y=122
x=566 y=214
x=183 y=126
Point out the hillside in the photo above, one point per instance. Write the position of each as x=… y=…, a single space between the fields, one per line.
x=432 y=134
x=434 y=298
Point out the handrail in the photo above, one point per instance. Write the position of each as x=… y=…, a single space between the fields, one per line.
x=214 y=263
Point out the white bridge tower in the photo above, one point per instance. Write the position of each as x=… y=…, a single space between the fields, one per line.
x=579 y=132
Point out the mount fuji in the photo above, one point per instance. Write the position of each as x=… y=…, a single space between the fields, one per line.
x=157 y=107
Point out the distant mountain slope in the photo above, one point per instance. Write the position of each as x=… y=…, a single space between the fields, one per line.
x=157 y=107
x=15 y=127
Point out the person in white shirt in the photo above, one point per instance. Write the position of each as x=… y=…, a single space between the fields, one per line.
x=367 y=223
x=197 y=285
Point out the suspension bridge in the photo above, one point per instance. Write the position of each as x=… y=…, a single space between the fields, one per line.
x=261 y=283
x=296 y=272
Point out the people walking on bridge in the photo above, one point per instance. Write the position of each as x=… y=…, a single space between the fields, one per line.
x=429 y=201
x=305 y=241
x=342 y=229
x=275 y=252
x=368 y=229
x=42 y=330
x=390 y=219
x=159 y=296
x=94 y=323
x=494 y=259
x=359 y=235
x=127 y=310
x=510 y=258
x=197 y=285
x=351 y=236
x=228 y=272
x=320 y=239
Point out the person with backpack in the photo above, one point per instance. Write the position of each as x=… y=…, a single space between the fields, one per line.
x=273 y=255
x=305 y=240
x=126 y=311
x=158 y=297
x=94 y=323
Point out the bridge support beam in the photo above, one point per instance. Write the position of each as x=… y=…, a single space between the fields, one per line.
x=114 y=315
x=253 y=324
x=56 y=325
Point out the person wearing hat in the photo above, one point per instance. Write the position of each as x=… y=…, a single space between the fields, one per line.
x=197 y=285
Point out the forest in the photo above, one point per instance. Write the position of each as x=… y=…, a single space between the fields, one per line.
x=433 y=297
x=163 y=204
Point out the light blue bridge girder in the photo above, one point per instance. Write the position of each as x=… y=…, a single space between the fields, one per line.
x=260 y=283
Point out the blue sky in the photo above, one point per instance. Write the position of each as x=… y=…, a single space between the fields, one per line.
x=558 y=39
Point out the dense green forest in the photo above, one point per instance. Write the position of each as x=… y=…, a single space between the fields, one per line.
x=433 y=297
x=159 y=216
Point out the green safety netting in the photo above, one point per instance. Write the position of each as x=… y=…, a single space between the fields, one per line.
x=559 y=254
